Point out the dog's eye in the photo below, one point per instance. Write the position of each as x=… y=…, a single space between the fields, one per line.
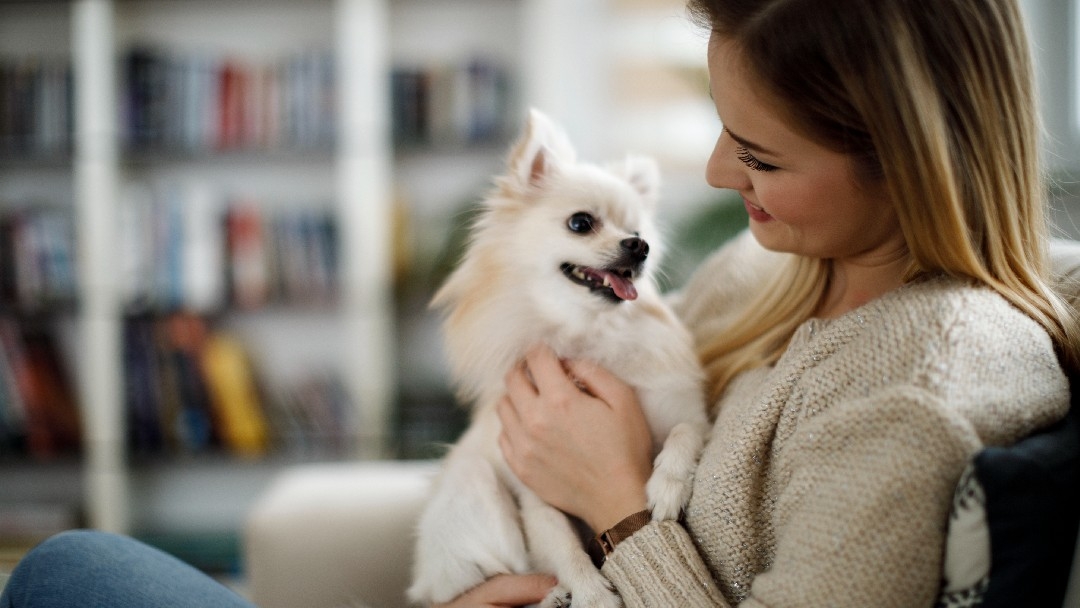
x=581 y=222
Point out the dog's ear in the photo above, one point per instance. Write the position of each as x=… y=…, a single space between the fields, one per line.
x=644 y=175
x=540 y=149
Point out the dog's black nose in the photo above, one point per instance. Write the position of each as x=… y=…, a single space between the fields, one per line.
x=636 y=247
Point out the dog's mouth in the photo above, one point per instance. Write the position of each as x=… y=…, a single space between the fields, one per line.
x=616 y=284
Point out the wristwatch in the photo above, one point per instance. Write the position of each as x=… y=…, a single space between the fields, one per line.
x=601 y=545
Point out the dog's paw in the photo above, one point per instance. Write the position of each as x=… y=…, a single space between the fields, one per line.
x=666 y=497
x=672 y=480
x=558 y=597
x=594 y=592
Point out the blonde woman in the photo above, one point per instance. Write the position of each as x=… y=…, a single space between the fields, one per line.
x=888 y=315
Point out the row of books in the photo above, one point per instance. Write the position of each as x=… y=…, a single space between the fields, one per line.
x=37 y=258
x=198 y=102
x=184 y=247
x=38 y=412
x=451 y=105
x=35 y=107
x=193 y=389
x=189 y=389
x=189 y=103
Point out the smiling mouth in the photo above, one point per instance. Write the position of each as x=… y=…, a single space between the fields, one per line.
x=616 y=284
x=756 y=212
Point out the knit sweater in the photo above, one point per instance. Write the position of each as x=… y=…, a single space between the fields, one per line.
x=828 y=476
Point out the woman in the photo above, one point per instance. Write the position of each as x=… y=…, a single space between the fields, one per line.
x=901 y=319
x=887 y=315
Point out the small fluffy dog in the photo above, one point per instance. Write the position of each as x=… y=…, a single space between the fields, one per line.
x=562 y=253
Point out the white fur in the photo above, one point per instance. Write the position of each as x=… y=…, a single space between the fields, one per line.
x=509 y=294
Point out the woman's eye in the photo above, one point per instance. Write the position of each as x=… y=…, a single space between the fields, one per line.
x=751 y=161
x=581 y=222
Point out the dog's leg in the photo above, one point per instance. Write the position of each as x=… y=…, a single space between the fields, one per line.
x=672 y=479
x=469 y=531
x=555 y=546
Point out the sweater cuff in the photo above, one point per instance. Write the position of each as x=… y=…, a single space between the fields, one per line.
x=660 y=566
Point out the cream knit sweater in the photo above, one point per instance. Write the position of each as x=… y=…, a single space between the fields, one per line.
x=828 y=477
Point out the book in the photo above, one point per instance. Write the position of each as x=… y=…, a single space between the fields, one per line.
x=248 y=265
x=142 y=389
x=201 y=249
x=12 y=406
x=234 y=397
x=42 y=403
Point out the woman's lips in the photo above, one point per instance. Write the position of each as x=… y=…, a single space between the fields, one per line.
x=756 y=213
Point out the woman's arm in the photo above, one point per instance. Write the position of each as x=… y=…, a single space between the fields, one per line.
x=860 y=520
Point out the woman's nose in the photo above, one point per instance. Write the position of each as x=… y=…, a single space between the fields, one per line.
x=724 y=169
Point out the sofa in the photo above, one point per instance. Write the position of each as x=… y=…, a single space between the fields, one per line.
x=341 y=534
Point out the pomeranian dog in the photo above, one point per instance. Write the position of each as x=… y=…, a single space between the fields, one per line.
x=562 y=253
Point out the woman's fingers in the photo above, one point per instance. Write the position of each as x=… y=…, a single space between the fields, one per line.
x=601 y=383
x=518 y=589
x=505 y=591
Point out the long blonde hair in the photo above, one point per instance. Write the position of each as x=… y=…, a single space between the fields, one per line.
x=935 y=98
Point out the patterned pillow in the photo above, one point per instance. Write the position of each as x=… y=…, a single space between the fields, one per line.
x=966 y=571
x=1013 y=528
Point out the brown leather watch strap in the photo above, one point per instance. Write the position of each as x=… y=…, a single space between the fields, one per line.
x=601 y=545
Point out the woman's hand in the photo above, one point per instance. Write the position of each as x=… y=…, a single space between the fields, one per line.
x=505 y=591
x=575 y=434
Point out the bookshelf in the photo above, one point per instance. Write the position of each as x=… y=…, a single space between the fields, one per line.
x=320 y=185
x=389 y=164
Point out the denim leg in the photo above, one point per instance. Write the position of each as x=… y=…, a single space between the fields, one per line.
x=96 y=569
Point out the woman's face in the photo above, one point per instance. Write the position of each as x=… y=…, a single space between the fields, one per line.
x=801 y=197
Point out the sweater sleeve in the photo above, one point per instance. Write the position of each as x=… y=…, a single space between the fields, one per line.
x=862 y=519
x=660 y=566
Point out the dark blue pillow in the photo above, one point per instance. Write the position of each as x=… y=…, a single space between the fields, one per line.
x=1033 y=512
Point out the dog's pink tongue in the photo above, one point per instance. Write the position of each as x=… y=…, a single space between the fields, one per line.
x=622 y=288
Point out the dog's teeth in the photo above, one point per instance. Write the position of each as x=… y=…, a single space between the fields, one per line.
x=579 y=274
x=607 y=281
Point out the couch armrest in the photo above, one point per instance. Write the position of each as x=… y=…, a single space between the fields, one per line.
x=339 y=534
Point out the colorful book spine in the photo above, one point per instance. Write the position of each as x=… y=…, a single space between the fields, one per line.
x=186 y=248
x=238 y=414
x=192 y=389
x=38 y=413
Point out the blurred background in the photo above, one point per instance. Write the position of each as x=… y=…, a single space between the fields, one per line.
x=221 y=222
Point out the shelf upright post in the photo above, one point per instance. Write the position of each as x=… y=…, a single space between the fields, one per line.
x=96 y=188
x=563 y=67
x=363 y=189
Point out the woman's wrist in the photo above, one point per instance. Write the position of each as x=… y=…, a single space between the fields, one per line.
x=615 y=512
x=604 y=543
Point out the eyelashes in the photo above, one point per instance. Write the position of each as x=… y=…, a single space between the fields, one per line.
x=752 y=161
x=747 y=158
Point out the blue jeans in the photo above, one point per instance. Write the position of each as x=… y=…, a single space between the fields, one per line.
x=90 y=569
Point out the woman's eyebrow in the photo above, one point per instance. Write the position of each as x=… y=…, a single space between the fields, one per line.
x=746 y=143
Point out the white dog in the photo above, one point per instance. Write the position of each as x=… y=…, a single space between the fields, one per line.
x=562 y=254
